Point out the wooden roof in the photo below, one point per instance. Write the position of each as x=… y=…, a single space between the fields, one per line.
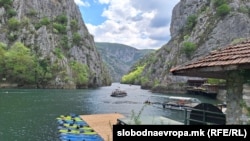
x=215 y=65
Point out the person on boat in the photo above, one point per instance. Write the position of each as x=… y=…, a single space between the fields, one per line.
x=147 y=102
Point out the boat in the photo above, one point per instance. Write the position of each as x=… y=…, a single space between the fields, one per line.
x=118 y=93
x=80 y=123
x=75 y=127
x=78 y=131
x=180 y=103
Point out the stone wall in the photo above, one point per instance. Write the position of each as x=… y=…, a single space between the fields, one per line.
x=246 y=104
x=245 y=117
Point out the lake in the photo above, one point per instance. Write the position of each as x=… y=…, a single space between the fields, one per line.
x=30 y=114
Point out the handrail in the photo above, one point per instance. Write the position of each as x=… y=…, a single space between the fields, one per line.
x=204 y=112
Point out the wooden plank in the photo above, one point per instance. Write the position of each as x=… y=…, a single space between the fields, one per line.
x=102 y=123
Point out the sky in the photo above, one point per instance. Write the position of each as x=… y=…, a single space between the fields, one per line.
x=142 y=24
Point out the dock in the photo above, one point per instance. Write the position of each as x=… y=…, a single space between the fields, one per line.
x=103 y=123
x=149 y=120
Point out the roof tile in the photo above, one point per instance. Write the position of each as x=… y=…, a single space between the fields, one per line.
x=232 y=54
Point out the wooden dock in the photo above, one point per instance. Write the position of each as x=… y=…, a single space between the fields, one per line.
x=102 y=124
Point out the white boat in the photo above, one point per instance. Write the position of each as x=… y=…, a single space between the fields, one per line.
x=180 y=103
x=118 y=93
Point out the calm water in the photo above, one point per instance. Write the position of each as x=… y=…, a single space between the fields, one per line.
x=30 y=115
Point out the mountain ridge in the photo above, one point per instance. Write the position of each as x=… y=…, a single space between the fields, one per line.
x=119 y=57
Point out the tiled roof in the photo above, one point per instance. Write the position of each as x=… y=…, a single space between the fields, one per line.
x=236 y=55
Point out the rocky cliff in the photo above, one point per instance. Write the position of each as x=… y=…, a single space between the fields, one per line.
x=197 y=27
x=56 y=35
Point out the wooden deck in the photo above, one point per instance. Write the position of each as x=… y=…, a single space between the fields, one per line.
x=102 y=123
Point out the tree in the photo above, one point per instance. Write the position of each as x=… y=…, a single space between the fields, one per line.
x=80 y=73
x=13 y=24
x=6 y=2
x=20 y=63
x=76 y=38
x=188 y=48
x=133 y=76
x=191 y=22
x=223 y=10
x=3 y=51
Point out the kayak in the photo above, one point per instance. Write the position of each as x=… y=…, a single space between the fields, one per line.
x=76 y=128
x=74 y=125
x=73 y=137
x=85 y=132
x=69 y=118
x=80 y=139
x=72 y=115
x=72 y=122
x=73 y=128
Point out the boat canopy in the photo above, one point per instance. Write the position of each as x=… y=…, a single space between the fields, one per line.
x=179 y=98
x=191 y=99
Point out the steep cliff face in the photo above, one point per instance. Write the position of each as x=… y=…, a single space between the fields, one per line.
x=55 y=32
x=198 y=27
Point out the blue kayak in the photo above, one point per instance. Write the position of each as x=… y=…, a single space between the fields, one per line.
x=76 y=131
x=83 y=128
x=72 y=128
x=73 y=137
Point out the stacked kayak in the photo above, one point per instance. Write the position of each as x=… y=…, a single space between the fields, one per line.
x=73 y=128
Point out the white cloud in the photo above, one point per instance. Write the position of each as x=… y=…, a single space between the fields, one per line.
x=82 y=3
x=104 y=1
x=137 y=23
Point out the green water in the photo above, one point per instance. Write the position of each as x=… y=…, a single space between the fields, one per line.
x=30 y=114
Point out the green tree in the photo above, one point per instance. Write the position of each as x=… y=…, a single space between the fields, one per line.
x=6 y=2
x=58 y=52
x=3 y=51
x=74 y=25
x=20 y=63
x=62 y=19
x=133 y=76
x=218 y=3
x=43 y=72
x=13 y=24
x=60 y=27
x=11 y=12
x=191 y=22
x=188 y=48
x=80 y=73
x=45 y=21
x=76 y=38
x=223 y=10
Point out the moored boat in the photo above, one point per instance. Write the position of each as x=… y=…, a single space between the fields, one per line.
x=180 y=103
x=118 y=93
